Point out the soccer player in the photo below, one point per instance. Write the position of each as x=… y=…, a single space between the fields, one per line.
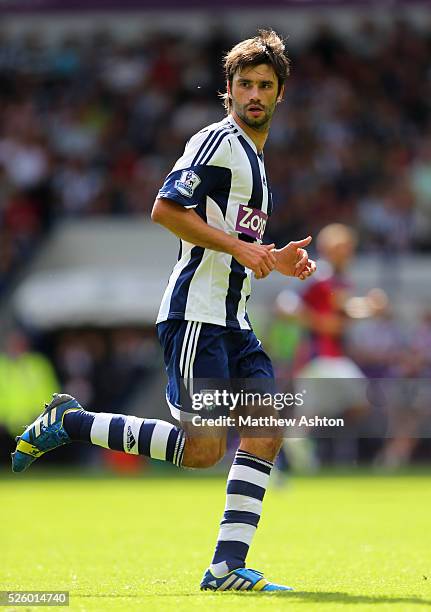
x=325 y=317
x=324 y=314
x=217 y=201
x=333 y=381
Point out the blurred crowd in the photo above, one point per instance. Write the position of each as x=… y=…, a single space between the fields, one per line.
x=91 y=126
x=103 y=368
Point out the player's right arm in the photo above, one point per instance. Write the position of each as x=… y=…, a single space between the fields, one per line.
x=203 y=170
x=189 y=226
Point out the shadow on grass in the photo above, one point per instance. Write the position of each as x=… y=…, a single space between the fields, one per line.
x=339 y=597
x=306 y=596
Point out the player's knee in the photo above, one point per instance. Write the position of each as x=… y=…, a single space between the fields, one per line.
x=203 y=452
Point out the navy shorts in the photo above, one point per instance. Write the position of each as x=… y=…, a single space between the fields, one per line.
x=194 y=350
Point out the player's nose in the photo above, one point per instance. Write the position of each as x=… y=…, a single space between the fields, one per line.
x=254 y=95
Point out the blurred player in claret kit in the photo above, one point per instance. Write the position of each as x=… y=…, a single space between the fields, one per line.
x=325 y=312
x=217 y=201
x=322 y=310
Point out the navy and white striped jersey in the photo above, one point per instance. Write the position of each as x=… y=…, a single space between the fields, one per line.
x=222 y=176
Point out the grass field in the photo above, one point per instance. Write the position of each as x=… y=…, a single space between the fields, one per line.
x=343 y=542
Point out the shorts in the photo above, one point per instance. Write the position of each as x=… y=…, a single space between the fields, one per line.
x=195 y=350
x=333 y=385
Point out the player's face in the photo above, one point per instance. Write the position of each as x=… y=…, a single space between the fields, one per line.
x=254 y=95
x=340 y=253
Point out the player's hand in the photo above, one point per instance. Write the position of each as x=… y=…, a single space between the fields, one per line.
x=292 y=260
x=309 y=269
x=258 y=257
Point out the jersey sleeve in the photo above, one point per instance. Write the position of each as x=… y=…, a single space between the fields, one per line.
x=202 y=170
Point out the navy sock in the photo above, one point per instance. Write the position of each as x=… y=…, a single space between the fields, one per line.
x=246 y=486
x=130 y=434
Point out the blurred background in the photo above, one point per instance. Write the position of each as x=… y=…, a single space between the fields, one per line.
x=96 y=104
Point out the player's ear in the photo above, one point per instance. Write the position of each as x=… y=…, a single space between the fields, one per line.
x=280 y=95
x=228 y=89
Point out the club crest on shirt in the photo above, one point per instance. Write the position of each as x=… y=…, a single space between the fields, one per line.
x=187 y=183
x=251 y=221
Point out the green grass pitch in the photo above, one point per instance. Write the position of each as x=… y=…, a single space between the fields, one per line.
x=353 y=542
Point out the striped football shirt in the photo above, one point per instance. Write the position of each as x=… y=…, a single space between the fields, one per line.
x=222 y=176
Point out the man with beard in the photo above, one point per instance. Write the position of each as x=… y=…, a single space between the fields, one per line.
x=217 y=201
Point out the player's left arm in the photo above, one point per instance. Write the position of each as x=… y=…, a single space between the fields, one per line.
x=293 y=260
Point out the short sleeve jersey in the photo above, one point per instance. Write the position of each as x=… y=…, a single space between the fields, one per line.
x=222 y=177
x=323 y=295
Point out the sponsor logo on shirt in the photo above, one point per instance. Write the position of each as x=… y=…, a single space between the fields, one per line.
x=251 y=221
x=187 y=183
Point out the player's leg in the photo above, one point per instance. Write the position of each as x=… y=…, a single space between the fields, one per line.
x=193 y=352
x=64 y=421
x=203 y=451
x=152 y=438
x=246 y=486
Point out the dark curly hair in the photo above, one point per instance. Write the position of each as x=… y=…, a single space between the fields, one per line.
x=266 y=48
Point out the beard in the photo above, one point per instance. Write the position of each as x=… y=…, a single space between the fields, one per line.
x=261 y=124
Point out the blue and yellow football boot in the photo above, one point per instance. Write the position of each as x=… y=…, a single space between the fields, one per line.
x=45 y=433
x=241 y=579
